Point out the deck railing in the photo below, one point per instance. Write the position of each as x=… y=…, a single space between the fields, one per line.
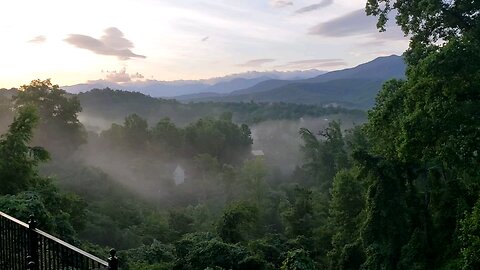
x=23 y=246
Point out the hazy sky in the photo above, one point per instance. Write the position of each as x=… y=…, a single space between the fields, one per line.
x=75 y=41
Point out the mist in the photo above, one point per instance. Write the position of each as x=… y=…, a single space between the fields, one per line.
x=280 y=140
x=152 y=175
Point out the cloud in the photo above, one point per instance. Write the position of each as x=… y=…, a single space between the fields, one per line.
x=38 y=39
x=312 y=64
x=353 y=23
x=356 y=23
x=324 y=3
x=256 y=62
x=137 y=76
x=371 y=43
x=111 y=43
x=280 y=3
x=122 y=76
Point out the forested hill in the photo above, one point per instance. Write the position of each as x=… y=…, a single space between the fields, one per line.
x=114 y=105
x=354 y=87
x=400 y=192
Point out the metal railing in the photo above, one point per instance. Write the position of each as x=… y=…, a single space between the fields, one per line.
x=23 y=246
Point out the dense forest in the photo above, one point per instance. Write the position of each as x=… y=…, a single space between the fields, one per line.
x=400 y=191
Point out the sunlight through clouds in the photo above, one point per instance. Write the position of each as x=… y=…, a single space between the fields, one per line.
x=170 y=40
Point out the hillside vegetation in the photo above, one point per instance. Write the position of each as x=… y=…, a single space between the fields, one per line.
x=400 y=191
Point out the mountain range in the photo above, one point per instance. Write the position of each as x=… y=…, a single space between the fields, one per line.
x=352 y=87
x=220 y=85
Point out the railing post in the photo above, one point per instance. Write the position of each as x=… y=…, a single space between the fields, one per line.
x=30 y=263
x=113 y=260
x=32 y=258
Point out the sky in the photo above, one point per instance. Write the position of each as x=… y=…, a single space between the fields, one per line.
x=127 y=40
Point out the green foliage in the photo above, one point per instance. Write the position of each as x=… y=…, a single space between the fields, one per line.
x=151 y=257
x=299 y=216
x=6 y=113
x=346 y=207
x=385 y=227
x=237 y=221
x=470 y=237
x=114 y=105
x=401 y=192
x=221 y=139
x=253 y=176
x=29 y=193
x=383 y=123
x=19 y=161
x=298 y=260
x=269 y=249
x=59 y=129
x=201 y=251
x=413 y=254
x=429 y=123
x=135 y=129
x=179 y=223
x=428 y=21
x=168 y=135
x=323 y=159
x=58 y=213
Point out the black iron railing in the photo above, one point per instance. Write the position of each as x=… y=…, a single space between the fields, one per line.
x=23 y=246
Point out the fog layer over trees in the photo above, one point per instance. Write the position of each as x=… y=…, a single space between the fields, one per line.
x=400 y=191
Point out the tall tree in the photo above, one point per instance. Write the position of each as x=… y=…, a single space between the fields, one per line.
x=135 y=130
x=323 y=159
x=470 y=236
x=237 y=222
x=432 y=119
x=59 y=129
x=430 y=22
x=346 y=205
x=19 y=161
x=300 y=216
x=385 y=228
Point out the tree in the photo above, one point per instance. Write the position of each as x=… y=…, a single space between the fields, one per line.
x=224 y=140
x=132 y=135
x=200 y=251
x=135 y=131
x=179 y=223
x=429 y=23
x=6 y=114
x=346 y=205
x=28 y=192
x=156 y=256
x=298 y=259
x=385 y=118
x=470 y=237
x=299 y=217
x=18 y=161
x=207 y=170
x=252 y=175
x=168 y=136
x=430 y=120
x=335 y=146
x=441 y=90
x=237 y=222
x=59 y=129
x=385 y=228
x=323 y=159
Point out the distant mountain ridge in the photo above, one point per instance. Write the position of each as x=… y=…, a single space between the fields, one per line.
x=352 y=87
x=220 y=85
